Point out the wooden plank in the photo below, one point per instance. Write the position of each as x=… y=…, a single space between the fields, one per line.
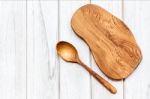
x=13 y=50
x=42 y=29
x=98 y=91
x=74 y=80
x=137 y=17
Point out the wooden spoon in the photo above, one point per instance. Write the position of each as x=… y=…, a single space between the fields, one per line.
x=69 y=53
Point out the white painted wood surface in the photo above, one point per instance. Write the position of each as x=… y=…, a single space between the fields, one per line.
x=12 y=50
x=42 y=32
x=74 y=80
x=30 y=67
x=137 y=17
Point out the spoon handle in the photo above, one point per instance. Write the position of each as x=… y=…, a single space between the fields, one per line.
x=106 y=84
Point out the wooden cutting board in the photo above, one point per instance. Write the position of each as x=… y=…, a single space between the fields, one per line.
x=111 y=42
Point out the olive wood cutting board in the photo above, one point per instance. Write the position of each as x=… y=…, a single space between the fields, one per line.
x=112 y=44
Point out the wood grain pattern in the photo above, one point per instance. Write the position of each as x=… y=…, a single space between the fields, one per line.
x=111 y=42
x=98 y=91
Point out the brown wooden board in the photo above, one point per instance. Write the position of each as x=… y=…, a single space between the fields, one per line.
x=111 y=42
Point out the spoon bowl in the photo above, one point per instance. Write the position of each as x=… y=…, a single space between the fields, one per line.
x=67 y=51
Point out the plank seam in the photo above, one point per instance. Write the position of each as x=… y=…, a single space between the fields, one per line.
x=58 y=38
x=123 y=20
x=26 y=53
x=90 y=62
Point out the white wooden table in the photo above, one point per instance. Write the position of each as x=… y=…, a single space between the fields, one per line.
x=30 y=67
